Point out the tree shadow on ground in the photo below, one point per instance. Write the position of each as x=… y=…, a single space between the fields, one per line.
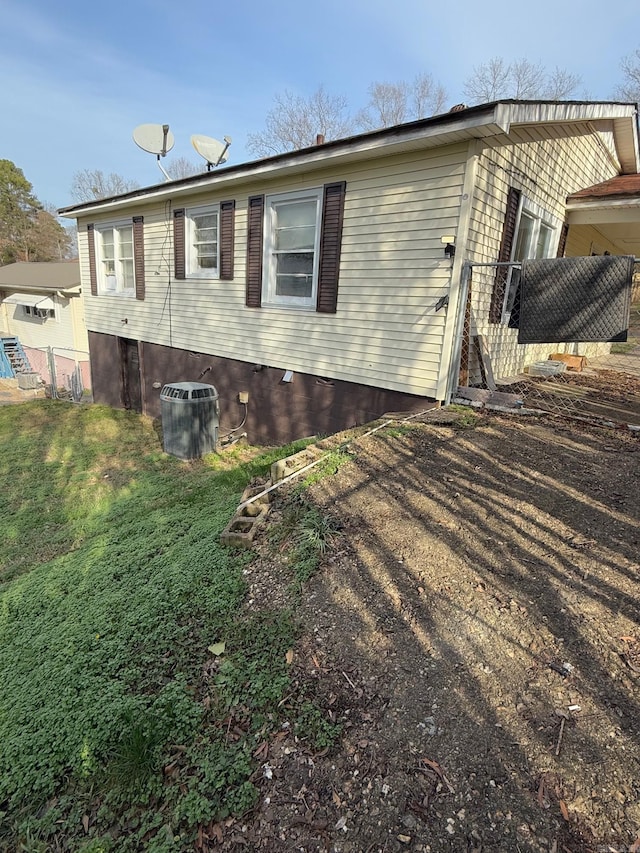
x=488 y=579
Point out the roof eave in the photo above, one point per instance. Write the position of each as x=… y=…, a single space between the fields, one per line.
x=483 y=121
x=480 y=121
x=602 y=203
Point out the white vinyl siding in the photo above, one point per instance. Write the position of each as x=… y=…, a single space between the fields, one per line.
x=386 y=332
x=392 y=272
x=546 y=172
x=57 y=331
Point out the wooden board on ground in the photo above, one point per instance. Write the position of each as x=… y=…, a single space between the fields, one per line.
x=485 y=362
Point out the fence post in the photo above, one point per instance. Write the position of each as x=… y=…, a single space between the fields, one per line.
x=454 y=368
x=52 y=372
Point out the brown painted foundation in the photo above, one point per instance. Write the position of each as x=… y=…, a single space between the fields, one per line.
x=277 y=411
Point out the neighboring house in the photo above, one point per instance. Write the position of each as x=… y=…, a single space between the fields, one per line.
x=317 y=281
x=42 y=320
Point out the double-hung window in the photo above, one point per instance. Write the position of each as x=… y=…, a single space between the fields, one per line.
x=202 y=244
x=115 y=260
x=536 y=236
x=291 y=249
x=204 y=241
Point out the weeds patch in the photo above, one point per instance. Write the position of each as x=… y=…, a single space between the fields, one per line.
x=467 y=418
x=313 y=727
x=113 y=586
x=308 y=532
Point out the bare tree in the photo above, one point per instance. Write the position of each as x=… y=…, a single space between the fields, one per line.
x=528 y=79
x=181 y=167
x=294 y=122
x=72 y=236
x=522 y=79
x=630 y=89
x=428 y=96
x=388 y=105
x=490 y=82
x=91 y=184
x=561 y=84
x=394 y=103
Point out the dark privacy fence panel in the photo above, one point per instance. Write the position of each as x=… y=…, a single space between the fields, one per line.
x=575 y=299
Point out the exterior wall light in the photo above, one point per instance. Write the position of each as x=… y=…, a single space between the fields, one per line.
x=449 y=246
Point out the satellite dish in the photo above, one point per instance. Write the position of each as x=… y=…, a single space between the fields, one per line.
x=154 y=138
x=213 y=151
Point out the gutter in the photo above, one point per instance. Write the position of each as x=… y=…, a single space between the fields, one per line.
x=384 y=142
x=483 y=121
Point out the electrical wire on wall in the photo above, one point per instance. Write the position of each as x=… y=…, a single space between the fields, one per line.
x=235 y=429
x=165 y=262
x=512 y=171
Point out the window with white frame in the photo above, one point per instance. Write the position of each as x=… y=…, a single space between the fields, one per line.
x=291 y=249
x=202 y=255
x=115 y=259
x=536 y=236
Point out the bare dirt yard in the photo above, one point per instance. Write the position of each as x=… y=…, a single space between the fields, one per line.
x=475 y=631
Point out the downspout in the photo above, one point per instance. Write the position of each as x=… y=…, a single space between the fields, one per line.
x=459 y=282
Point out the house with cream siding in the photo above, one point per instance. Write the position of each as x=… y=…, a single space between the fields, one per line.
x=41 y=311
x=329 y=285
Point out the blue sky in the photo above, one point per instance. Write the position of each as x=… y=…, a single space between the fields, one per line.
x=77 y=77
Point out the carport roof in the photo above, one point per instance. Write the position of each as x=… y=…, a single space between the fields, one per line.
x=622 y=186
x=611 y=208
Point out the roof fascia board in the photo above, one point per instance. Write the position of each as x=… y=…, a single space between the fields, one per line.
x=604 y=203
x=569 y=111
x=627 y=145
x=623 y=116
x=488 y=120
x=603 y=215
x=318 y=156
x=29 y=287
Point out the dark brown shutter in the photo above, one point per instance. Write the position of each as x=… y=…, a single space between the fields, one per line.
x=227 y=238
x=330 y=243
x=93 y=272
x=138 y=255
x=562 y=244
x=178 y=243
x=506 y=248
x=254 y=251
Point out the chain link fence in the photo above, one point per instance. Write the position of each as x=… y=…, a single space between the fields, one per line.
x=586 y=378
x=64 y=373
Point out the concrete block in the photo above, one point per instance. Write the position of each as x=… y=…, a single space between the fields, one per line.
x=246 y=522
x=284 y=467
x=252 y=491
x=242 y=529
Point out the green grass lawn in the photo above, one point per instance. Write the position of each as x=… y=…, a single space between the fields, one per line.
x=113 y=588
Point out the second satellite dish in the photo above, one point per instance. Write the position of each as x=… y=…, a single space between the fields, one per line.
x=154 y=138
x=213 y=151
